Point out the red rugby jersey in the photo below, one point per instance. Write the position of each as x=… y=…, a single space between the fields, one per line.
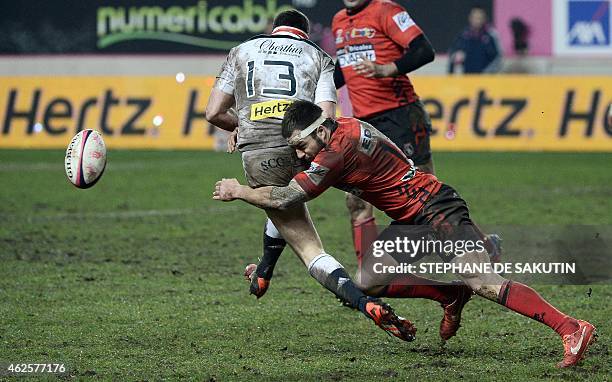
x=380 y=32
x=361 y=160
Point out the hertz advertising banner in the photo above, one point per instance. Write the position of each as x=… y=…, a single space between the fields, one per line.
x=468 y=113
x=518 y=113
x=131 y=112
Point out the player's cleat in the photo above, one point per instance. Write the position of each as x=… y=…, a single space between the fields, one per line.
x=259 y=285
x=576 y=344
x=387 y=320
x=451 y=321
x=496 y=247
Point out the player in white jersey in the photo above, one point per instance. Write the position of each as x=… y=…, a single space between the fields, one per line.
x=260 y=79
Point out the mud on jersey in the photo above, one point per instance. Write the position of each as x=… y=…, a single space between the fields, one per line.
x=265 y=75
x=361 y=160
x=380 y=32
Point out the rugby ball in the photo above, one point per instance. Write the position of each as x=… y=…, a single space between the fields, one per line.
x=85 y=158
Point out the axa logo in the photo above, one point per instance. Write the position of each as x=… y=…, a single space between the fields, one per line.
x=589 y=23
x=588 y=33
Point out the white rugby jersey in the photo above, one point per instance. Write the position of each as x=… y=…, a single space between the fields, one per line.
x=265 y=74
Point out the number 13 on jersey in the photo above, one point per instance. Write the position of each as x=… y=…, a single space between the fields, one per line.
x=275 y=78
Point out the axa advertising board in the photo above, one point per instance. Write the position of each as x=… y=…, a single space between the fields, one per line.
x=582 y=27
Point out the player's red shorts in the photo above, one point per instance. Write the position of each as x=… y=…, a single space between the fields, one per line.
x=444 y=216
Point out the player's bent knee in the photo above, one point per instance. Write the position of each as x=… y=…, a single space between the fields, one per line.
x=472 y=265
x=484 y=282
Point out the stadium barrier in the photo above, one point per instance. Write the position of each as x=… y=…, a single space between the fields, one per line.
x=479 y=113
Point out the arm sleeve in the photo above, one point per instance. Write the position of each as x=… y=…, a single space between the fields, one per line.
x=326 y=90
x=338 y=76
x=418 y=53
x=324 y=172
x=398 y=25
x=227 y=76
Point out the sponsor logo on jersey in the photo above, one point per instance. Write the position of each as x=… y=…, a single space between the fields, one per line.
x=269 y=109
x=589 y=23
x=348 y=35
x=271 y=47
x=363 y=32
x=352 y=54
x=272 y=163
x=339 y=38
x=366 y=143
x=409 y=175
x=408 y=149
x=316 y=173
x=403 y=21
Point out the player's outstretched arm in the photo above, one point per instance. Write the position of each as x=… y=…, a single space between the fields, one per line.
x=264 y=197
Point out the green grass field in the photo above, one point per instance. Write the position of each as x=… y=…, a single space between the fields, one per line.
x=140 y=277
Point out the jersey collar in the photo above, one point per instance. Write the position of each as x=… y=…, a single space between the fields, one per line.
x=291 y=31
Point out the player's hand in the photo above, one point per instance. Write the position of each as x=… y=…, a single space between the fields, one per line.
x=232 y=141
x=369 y=68
x=226 y=189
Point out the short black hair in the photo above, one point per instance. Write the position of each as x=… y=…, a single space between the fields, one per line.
x=292 y=18
x=298 y=116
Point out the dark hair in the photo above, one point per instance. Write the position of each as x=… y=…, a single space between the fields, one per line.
x=292 y=18
x=298 y=116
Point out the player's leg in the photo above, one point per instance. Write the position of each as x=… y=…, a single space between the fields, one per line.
x=277 y=166
x=260 y=274
x=446 y=208
x=296 y=226
x=363 y=224
x=451 y=296
x=263 y=167
x=577 y=335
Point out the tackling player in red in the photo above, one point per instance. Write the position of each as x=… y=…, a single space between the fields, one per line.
x=377 y=45
x=352 y=155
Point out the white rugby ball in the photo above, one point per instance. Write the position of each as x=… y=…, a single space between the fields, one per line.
x=85 y=158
